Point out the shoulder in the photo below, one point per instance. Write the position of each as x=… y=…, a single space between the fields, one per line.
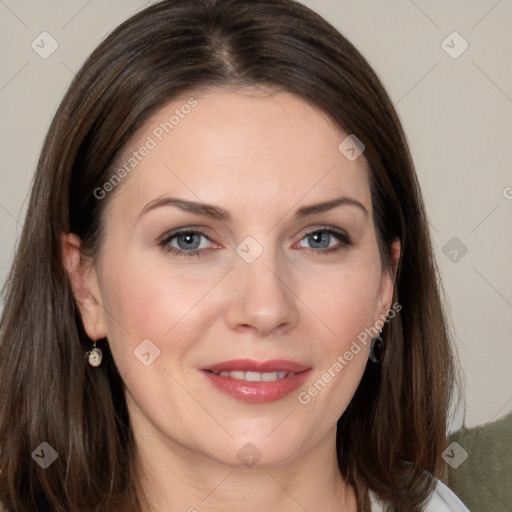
x=441 y=500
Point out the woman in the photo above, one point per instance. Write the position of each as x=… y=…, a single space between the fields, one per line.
x=224 y=295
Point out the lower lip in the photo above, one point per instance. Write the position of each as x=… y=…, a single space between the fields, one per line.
x=258 y=392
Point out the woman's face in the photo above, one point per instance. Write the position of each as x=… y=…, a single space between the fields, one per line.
x=240 y=241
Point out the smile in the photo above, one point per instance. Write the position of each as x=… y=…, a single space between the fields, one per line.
x=256 y=382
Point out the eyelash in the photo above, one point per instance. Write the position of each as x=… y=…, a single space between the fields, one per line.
x=164 y=243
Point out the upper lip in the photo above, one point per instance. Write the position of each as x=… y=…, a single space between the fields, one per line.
x=251 y=365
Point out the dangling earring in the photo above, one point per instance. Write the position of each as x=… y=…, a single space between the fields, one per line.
x=94 y=356
x=376 y=349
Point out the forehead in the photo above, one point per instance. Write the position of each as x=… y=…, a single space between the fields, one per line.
x=251 y=148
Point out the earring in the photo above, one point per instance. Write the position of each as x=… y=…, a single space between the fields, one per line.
x=94 y=356
x=376 y=350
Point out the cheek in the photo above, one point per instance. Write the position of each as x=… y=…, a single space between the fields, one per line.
x=345 y=309
x=346 y=303
x=148 y=301
x=337 y=375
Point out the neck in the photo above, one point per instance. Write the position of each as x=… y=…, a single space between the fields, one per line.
x=177 y=478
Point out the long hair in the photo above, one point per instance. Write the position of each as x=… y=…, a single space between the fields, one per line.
x=390 y=438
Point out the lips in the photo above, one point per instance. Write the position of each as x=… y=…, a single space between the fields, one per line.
x=257 y=381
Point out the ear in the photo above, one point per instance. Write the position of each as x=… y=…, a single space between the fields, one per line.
x=84 y=281
x=387 y=283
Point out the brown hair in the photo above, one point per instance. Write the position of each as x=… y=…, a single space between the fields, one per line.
x=390 y=437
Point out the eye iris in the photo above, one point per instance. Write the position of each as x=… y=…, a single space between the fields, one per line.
x=189 y=242
x=318 y=238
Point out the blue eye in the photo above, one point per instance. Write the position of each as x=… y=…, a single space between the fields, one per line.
x=193 y=243
x=188 y=243
x=321 y=240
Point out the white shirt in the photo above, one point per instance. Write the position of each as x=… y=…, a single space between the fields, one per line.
x=441 y=500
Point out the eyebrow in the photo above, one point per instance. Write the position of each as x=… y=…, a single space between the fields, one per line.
x=217 y=213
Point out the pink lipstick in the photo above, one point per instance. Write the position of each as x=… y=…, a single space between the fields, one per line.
x=257 y=381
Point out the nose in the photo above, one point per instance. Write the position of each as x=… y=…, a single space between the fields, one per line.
x=262 y=298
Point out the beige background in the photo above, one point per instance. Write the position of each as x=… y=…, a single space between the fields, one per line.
x=457 y=114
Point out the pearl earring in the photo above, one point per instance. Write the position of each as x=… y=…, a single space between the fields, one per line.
x=95 y=356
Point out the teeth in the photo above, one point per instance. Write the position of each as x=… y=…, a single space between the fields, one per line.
x=255 y=376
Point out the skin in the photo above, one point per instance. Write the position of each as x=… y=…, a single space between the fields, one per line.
x=260 y=156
